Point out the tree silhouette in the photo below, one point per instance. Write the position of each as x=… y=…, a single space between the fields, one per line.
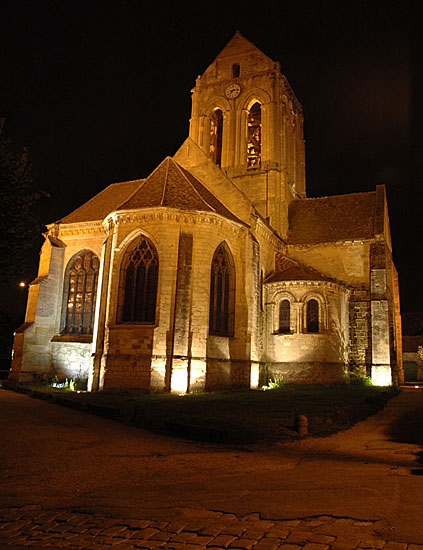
x=19 y=223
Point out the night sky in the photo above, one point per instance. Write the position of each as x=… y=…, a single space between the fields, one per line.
x=100 y=93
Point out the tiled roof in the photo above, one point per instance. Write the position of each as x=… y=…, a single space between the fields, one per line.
x=168 y=185
x=329 y=219
x=173 y=186
x=103 y=203
x=290 y=270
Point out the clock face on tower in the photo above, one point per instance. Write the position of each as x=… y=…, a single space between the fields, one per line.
x=233 y=90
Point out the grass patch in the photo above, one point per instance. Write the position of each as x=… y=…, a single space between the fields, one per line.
x=246 y=416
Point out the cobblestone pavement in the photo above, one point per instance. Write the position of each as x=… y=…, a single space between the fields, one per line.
x=31 y=526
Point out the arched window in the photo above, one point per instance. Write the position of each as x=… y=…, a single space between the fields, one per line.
x=222 y=293
x=81 y=293
x=254 y=137
x=236 y=69
x=285 y=316
x=216 y=131
x=138 y=283
x=312 y=316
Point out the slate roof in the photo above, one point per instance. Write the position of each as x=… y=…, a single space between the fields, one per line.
x=103 y=203
x=329 y=219
x=291 y=270
x=172 y=186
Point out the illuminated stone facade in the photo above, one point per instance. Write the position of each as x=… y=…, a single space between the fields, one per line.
x=216 y=271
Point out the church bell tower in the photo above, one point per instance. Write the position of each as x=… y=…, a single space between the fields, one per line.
x=247 y=119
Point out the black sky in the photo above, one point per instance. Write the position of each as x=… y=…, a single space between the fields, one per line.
x=100 y=92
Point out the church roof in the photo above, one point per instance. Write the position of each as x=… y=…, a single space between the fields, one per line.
x=291 y=270
x=172 y=186
x=329 y=219
x=168 y=185
x=238 y=44
x=103 y=203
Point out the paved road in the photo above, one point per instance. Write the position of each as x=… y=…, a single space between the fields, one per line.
x=73 y=480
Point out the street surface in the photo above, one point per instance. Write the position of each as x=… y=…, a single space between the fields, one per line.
x=72 y=480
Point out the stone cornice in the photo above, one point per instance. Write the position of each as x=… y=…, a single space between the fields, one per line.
x=268 y=234
x=315 y=284
x=339 y=243
x=79 y=228
x=167 y=214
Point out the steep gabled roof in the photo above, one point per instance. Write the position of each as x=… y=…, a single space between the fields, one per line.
x=103 y=203
x=291 y=270
x=330 y=219
x=168 y=185
x=238 y=44
x=237 y=50
x=172 y=186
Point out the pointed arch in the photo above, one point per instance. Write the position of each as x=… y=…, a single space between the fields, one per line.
x=222 y=292
x=138 y=282
x=254 y=136
x=80 y=290
x=216 y=134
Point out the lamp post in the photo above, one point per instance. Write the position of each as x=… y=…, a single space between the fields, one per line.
x=21 y=302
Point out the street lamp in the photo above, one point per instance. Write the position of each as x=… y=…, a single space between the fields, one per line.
x=21 y=301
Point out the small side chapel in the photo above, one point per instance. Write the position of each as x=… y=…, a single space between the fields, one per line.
x=216 y=271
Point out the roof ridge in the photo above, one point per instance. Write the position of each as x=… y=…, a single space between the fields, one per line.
x=182 y=170
x=336 y=196
x=139 y=186
x=166 y=180
x=125 y=181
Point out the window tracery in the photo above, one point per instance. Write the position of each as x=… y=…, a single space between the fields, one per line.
x=139 y=278
x=222 y=293
x=81 y=293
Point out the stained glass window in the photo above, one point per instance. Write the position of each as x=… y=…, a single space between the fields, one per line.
x=81 y=296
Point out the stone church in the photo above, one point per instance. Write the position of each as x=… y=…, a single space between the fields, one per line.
x=216 y=271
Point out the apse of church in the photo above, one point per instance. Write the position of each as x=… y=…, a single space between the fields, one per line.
x=215 y=271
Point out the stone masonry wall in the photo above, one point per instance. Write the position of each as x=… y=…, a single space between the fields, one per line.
x=129 y=358
x=307 y=372
x=71 y=360
x=329 y=345
x=136 y=356
x=360 y=333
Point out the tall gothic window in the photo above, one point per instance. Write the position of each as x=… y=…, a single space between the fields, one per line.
x=254 y=137
x=222 y=293
x=285 y=316
x=81 y=293
x=216 y=131
x=312 y=316
x=236 y=69
x=138 y=283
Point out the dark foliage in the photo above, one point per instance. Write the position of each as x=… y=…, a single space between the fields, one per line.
x=19 y=224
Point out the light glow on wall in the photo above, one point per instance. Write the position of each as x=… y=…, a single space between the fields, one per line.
x=254 y=376
x=179 y=381
x=381 y=375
